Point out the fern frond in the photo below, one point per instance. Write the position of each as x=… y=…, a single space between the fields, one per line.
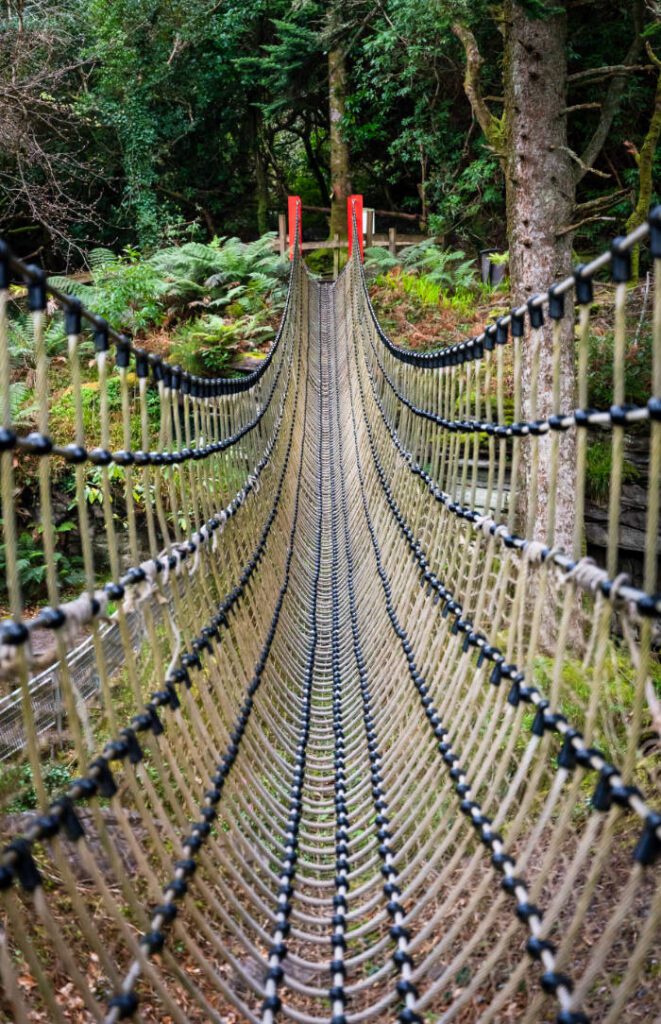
x=75 y=288
x=101 y=259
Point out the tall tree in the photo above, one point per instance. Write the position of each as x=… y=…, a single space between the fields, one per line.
x=48 y=183
x=290 y=72
x=540 y=198
x=340 y=174
x=542 y=173
x=192 y=116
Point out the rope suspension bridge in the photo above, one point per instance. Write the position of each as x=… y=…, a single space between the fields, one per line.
x=380 y=759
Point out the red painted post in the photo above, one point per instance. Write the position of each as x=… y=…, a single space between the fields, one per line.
x=295 y=212
x=355 y=205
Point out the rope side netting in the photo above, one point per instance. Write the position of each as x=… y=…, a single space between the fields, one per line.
x=364 y=744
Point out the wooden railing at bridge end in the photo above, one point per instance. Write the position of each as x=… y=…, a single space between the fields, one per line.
x=392 y=241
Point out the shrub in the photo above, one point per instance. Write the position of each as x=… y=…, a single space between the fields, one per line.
x=206 y=345
x=599 y=465
x=637 y=370
x=447 y=268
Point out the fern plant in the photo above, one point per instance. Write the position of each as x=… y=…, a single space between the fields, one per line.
x=100 y=259
x=207 y=344
x=379 y=260
x=191 y=271
x=447 y=268
x=218 y=293
x=21 y=336
x=22 y=406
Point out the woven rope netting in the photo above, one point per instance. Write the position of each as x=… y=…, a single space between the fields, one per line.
x=376 y=751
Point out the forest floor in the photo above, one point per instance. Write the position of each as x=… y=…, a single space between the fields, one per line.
x=410 y=320
x=413 y=322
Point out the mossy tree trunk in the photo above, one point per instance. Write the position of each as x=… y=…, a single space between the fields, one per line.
x=645 y=161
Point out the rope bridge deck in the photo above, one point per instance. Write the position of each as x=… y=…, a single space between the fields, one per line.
x=379 y=757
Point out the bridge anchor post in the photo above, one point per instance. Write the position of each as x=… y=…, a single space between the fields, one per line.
x=295 y=216
x=355 y=208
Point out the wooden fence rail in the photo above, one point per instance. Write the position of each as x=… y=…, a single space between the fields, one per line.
x=392 y=241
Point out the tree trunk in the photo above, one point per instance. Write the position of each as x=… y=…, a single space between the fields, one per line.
x=314 y=165
x=540 y=191
x=261 y=177
x=645 y=161
x=339 y=151
x=262 y=189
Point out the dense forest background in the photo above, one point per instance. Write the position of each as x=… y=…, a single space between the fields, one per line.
x=143 y=122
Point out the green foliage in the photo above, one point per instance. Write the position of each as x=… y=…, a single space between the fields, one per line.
x=187 y=272
x=637 y=370
x=379 y=260
x=320 y=262
x=428 y=292
x=124 y=290
x=444 y=267
x=20 y=795
x=431 y=275
x=21 y=402
x=21 y=336
x=241 y=283
x=475 y=189
x=195 y=116
x=101 y=259
x=31 y=566
x=206 y=345
x=61 y=419
x=499 y=259
x=599 y=466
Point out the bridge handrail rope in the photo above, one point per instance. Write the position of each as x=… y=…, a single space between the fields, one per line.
x=617 y=416
x=582 y=572
x=637 y=601
x=547 y=718
x=368 y=673
x=585 y=418
x=15 y=634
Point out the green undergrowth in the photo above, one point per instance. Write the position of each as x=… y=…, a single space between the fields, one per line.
x=17 y=792
x=200 y=304
x=425 y=278
x=599 y=467
x=637 y=360
x=427 y=297
x=31 y=567
x=426 y=286
x=320 y=262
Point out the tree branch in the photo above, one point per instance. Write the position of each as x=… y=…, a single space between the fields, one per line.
x=601 y=203
x=612 y=99
x=489 y=124
x=582 y=106
x=583 y=167
x=586 y=220
x=609 y=71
